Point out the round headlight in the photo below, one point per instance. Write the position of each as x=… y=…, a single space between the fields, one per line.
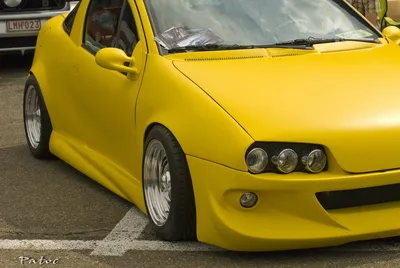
x=315 y=161
x=12 y=3
x=257 y=160
x=286 y=161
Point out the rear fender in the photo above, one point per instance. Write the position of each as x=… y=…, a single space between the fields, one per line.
x=45 y=53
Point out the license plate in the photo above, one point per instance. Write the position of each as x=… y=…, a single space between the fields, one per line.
x=23 y=25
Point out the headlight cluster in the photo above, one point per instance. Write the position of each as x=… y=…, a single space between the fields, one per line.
x=285 y=158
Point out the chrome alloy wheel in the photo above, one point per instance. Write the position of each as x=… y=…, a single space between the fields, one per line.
x=32 y=117
x=157 y=182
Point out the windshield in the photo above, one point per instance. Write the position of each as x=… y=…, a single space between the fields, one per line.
x=180 y=23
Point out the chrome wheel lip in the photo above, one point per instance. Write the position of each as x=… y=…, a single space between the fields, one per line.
x=157 y=182
x=32 y=115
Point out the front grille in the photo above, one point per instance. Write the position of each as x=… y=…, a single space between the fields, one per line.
x=32 y=5
x=359 y=197
x=25 y=41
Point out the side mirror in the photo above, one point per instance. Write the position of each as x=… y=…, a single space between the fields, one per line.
x=393 y=33
x=114 y=59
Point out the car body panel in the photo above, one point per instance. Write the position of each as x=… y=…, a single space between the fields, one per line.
x=98 y=168
x=76 y=132
x=101 y=118
x=196 y=112
x=147 y=27
x=44 y=59
x=116 y=92
x=288 y=215
x=72 y=128
x=299 y=112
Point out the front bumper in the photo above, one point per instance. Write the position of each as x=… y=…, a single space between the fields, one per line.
x=288 y=214
x=21 y=41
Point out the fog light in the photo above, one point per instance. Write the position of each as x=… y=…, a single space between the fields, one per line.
x=257 y=160
x=286 y=161
x=315 y=161
x=248 y=200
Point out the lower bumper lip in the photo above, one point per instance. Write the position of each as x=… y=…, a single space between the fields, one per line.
x=288 y=214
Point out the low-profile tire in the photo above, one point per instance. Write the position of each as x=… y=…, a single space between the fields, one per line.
x=165 y=168
x=37 y=122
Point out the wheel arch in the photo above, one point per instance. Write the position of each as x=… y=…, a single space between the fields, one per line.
x=149 y=128
x=185 y=192
x=202 y=127
x=41 y=149
x=38 y=72
x=44 y=55
x=41 y=91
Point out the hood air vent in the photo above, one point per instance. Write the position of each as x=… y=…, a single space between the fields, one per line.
x=286 y=55
x=224 y=58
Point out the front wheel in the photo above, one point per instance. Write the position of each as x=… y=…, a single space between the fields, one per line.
x=37 y=123
x=167 y=187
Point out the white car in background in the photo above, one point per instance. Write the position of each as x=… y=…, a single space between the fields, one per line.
x=21 y=20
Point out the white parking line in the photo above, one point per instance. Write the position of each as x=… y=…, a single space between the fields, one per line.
x=128 y=229
x=125 y=234
x=47 y=244
x=113 y=246
x=125 y=245
x=121 y=239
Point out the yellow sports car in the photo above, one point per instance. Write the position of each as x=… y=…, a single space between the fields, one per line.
x=250 y=125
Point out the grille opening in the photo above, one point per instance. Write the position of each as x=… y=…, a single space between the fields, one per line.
x=359 y=197
x=25 y=41
x=31 y=5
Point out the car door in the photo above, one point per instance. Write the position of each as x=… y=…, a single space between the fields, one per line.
x=107 y=98
x=59 y=49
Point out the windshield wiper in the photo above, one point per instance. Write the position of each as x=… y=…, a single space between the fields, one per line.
x=211 y=47
x=313 y=41
x=306 y=43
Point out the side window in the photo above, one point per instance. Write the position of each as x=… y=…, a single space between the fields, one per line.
x=127 y=37
x=69 y=20
x=101 y=24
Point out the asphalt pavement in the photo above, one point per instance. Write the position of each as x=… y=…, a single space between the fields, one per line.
x=52 y=215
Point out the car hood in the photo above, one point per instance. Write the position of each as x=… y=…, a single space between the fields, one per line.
x=348 y=101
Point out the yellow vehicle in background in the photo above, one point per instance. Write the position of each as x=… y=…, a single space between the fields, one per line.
x=390 y=13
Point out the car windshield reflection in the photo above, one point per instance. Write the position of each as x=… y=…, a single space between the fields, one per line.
x=180 y=23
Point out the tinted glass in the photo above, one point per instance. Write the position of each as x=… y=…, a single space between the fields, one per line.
x=255 y=22
x=102 y=23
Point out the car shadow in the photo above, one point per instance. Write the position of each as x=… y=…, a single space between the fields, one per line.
x=15 y=63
